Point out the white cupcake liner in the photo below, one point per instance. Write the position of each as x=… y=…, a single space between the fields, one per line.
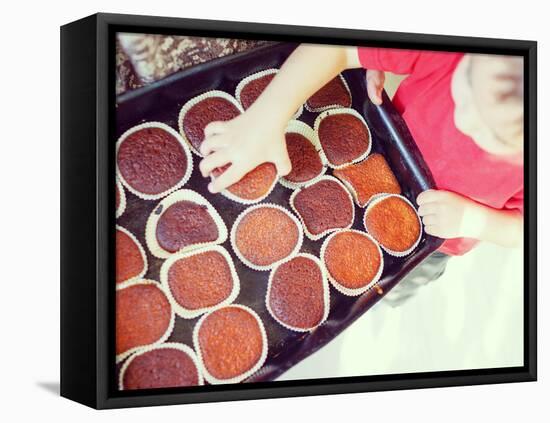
x=164 y=336
x=190 y=313
x=331 y=106
x=181 y=195
x=243 y=259
x=168 y=345
x=187 y=106
x=375 y=199
x=299 y=127
x=213 y=380
x=341 y=111
x=326 y=293
x=127 y=282
x=259 y=75
x=352 y=189
x=337 y=285
x=228 y=194
x=121 y=198
x=183 y=144
x=315 y=237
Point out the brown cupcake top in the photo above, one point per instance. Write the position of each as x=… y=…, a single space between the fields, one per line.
x=151 y=160
x=200 y=280
x=296 y=294
x=352 y=259
x=129 y=260
x=143 y=316
x=230 y=341
x=305 y=160
x=255 y=184
x=323 y=206
x=333 y=93
x=393 y=223
x=185 y=223
x=160 y=368
x=210 y=109
x=252 y=89
x=370 y=177
x=265 y=235
x=344 y=138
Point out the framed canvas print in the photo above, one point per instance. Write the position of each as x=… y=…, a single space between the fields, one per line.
x=258 y=211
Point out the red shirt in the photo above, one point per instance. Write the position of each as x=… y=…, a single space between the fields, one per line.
x=457 y=163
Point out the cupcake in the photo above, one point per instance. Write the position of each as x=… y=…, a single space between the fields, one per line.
x=130 y=258
x=231 y=344
x=198 y=112
x=184 y=220
x=370 y=177
x=253 y=187
x=353 y=261
x=394 y=222
x=152 y=160
x=199 y=280
x=344 y=136
x=323 y=207
x=334 y=93
x=298 y=293
x=120 y=199
x=143 y=317
x=169 y=365
x=303 y=150
x=265 y=235
x=250 y=88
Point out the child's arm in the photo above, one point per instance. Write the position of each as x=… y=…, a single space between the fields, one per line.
x=257 y=136
x=449 y=215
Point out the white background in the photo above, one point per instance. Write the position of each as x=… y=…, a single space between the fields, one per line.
x=30 y=209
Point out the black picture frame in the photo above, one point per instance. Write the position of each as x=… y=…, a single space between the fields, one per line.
x=87 y=217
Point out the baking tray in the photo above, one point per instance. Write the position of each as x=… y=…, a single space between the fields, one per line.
x=162 y=101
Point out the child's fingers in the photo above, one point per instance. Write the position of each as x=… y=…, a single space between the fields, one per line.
x=428 y=208
x=284 y=166
x=213 y=161
x=432 y=230
x=213 y=143
x=375 y=84
x=429 y=220
x=214 y=128
x=428 y=196
x=226 y=179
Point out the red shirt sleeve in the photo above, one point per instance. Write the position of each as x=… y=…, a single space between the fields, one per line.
x=516 y=202
x=388 y=59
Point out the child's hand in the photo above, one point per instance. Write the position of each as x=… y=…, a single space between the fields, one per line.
x=245 y=142
x=449 y=215
x=375 y=85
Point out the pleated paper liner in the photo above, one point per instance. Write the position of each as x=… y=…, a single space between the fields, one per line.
x=352 y=292
x=164 y=336
x=195 y=100
x=192 y=313
x=181 y=195
x=315 y=237
x=247 y=262
x=121 y=198
x=301 y=128
x=239 y=378
x=381 y=197
x=326 y=293
x=129 y=281
x=167 y=345
x=332 y=106
x=255 y=76
x=186 y=151
x=340 y=111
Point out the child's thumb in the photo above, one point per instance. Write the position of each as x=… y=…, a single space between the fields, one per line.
x=284 y=166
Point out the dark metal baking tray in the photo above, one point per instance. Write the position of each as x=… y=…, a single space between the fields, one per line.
x=162 y=101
